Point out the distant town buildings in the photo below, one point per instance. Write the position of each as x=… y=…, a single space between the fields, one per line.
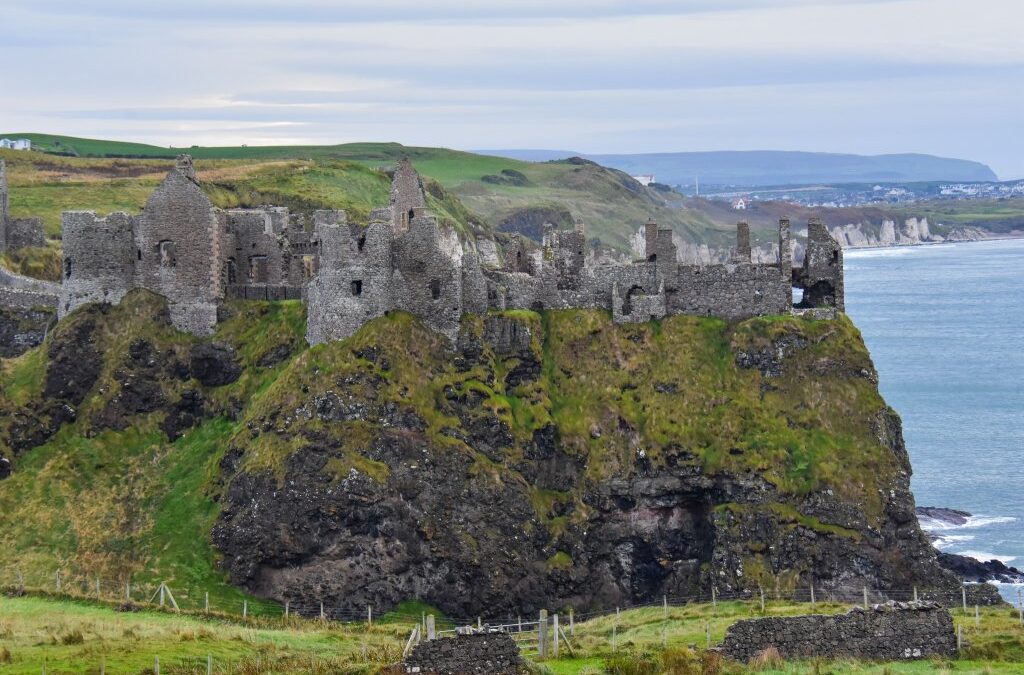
x=739 y=204
x=645 y=179
x=16 y=143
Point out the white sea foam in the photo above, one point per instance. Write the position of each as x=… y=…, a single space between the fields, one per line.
x=933 y=525
x=879 y=252
x=944 y=541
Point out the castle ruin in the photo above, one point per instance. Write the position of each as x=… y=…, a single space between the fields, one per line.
x=402 y=259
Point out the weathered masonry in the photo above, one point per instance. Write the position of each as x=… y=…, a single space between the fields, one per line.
x=184 y=249
x=16 y=233
x=890 y=632
x=196 y=255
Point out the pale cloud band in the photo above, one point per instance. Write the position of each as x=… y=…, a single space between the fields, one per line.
x=937 y=76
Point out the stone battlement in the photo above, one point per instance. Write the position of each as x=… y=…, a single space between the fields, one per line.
x=196 y=255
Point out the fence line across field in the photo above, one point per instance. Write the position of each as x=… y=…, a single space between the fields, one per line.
x=547 y=637
x=191 y=598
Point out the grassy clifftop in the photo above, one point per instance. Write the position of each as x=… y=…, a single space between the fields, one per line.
x=110 y=493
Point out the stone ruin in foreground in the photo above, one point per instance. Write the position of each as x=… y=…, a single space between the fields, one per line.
x=195 y=255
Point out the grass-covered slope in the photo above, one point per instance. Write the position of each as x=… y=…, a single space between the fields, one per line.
x=44 y=186
x=109 y=495
x=78 y=636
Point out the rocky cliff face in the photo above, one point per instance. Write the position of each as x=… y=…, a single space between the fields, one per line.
x=912 y=231
x=548 y=459
x=560 y=459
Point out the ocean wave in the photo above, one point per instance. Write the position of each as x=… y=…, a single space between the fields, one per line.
x=878 y=252
x=944 y=541
x=984 y=556
x=933 y=525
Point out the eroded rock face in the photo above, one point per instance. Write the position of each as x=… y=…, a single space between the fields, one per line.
x=214 y=364
x=23 y=329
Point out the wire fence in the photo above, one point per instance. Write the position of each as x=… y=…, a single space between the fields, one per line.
x=536 y=635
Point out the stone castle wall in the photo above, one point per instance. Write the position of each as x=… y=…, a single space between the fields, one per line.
x=183 y=248
x=99 y=259
x=885 y=632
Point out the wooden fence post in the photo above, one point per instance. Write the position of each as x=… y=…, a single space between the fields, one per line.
x=542 y=634
x=865 y=597
x=128 y=590
x=431 y=630
x=97 y=587
x=554 y=644
x=156 y=665
x=519 y=620
x=915 y=593
x=479 y=625
x=206 y=602
x=58 y=581
x=762 y=598
x=209 y=664
x=959 y=638
x=977 y=617
x=245 y=609
x=322 y=616
x=572 y=623
x=286 y=609
x=963 y=596
x=812 y=594
x=714 y=598
x=369 y=615
x=161 y=595
x=664 y=602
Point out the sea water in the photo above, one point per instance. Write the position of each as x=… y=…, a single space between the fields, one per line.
x=945 y=326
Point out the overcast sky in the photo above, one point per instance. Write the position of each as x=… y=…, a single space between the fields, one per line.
x=938 y=76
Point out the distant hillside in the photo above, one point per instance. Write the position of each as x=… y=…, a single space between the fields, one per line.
x=505 y=194
x=770 y=167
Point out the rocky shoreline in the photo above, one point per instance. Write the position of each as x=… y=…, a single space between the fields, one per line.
x=967 y=568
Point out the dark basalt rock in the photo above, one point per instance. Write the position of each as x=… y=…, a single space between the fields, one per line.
x=973 y=570
x=275 y=356
x=23 y=329
x=74 y=363
x=186 y=413
x=214 y=364
x=769 y=359
x=5 y=467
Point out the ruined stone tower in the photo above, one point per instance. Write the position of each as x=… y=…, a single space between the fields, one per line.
x=403 y=259
x=407 y=195
x=178 y=243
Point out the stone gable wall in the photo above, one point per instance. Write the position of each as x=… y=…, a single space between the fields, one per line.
x=885 y=632
x=490 y=653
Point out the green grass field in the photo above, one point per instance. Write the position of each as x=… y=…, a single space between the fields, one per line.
x=77 y=636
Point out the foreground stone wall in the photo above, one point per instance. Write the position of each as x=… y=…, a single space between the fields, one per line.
x=492 y=653
x=893 y=631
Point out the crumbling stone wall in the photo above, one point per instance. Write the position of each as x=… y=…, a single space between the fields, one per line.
x=25 y=232
x=194 y=255
x=407 y=194
x=821 y=276
x=16 y=233
x=179 y=245
x=491 y=653
x=889 y=632
x=99 y=259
